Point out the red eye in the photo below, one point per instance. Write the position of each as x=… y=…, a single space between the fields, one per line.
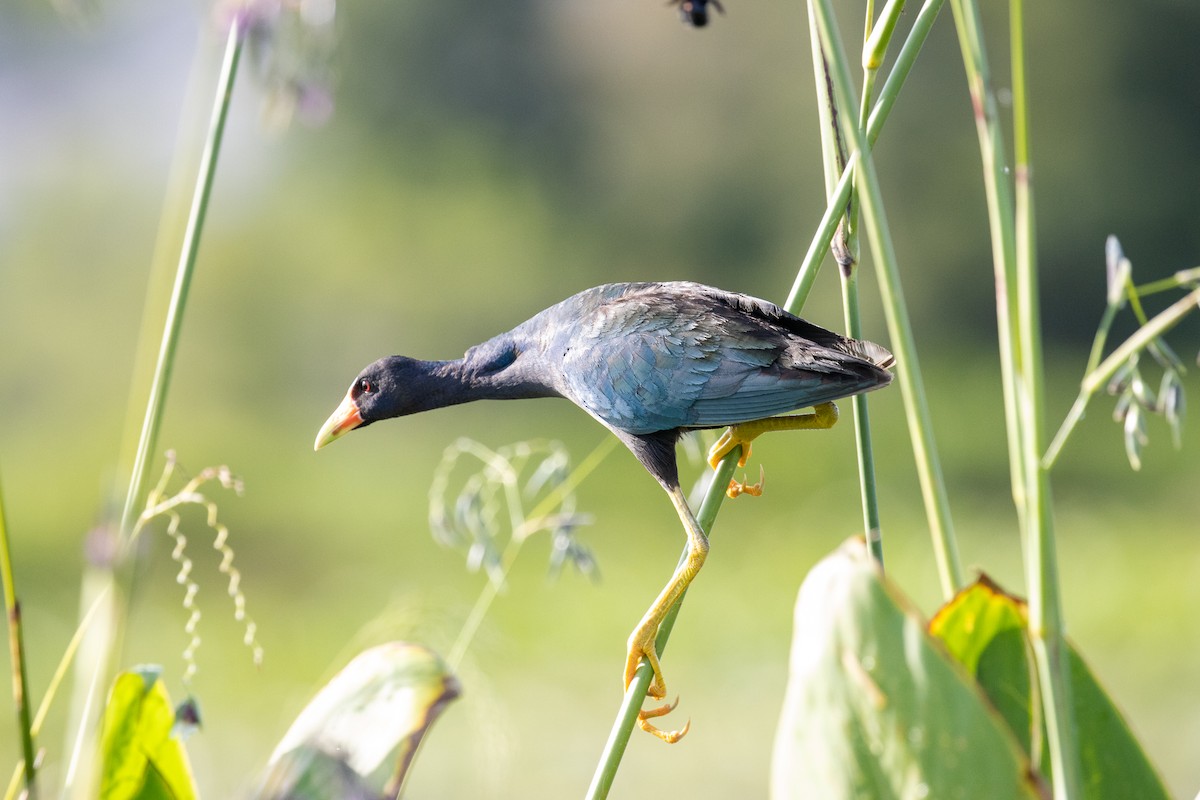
x=364 y=386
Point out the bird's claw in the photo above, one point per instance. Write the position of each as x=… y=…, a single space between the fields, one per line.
x=670 y=737
x=641 y=645
x=737 y=487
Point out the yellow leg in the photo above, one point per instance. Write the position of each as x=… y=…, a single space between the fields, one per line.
x=641 y=641
x=822 y=417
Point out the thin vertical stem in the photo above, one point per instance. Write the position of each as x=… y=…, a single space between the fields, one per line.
x=872 y=525
x=833 y=158
x=835 y=162
x=1000 y=219
x=1045 y=603
x=912 y=388
x=16 y=646
x=875 y=45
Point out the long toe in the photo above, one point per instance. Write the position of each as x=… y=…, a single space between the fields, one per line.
x=737 y=488
x=729 y=439
x=670 y=737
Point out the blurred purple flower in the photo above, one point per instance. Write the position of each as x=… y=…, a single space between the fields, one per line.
x=289 y=44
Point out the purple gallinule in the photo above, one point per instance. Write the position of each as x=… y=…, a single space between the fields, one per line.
x=650 y=361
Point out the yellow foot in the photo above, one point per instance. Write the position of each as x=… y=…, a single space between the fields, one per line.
x=823 y=416
x=641 y=645
x=737 y=487
x=731 y=438
x=670 y=737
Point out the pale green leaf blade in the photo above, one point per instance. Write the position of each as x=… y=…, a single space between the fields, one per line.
x=359 y=734
x=1115 y=766
x=874 y=708
x=141 y=758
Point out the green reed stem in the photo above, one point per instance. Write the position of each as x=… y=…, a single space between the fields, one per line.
x=635 y=695
x=1045 y=596
x=877 y=39
x=161 y=381
x=912 y=388
x=102 y=641
x=834 y=161
x=879 y=36
x=1183 y=277
x=16 y=649
x=1000 y=218
x=872 y=524
x=56 y=681
x=928 y=466
x=807 y=274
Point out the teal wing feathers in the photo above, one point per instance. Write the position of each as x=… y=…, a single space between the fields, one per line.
x=651 y=357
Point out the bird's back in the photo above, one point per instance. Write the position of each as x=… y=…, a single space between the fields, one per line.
x=647 y=357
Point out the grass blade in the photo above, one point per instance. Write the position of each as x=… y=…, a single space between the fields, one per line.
x=16 y=646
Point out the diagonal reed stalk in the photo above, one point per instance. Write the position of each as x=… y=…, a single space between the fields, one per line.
x=152 y=422
x=635 y=695
x=807 y=274
x=102 y=583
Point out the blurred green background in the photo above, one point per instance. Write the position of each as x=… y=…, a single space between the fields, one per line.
x=483 y=161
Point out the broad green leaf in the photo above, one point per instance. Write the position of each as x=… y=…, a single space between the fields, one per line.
x=142 y=759
x=986 y=629
x=876 y=709
x=358 y=736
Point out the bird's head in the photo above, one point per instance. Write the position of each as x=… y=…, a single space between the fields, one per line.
x=388 y=388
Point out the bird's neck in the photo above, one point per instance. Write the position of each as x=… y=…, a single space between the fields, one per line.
x=483 y=376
